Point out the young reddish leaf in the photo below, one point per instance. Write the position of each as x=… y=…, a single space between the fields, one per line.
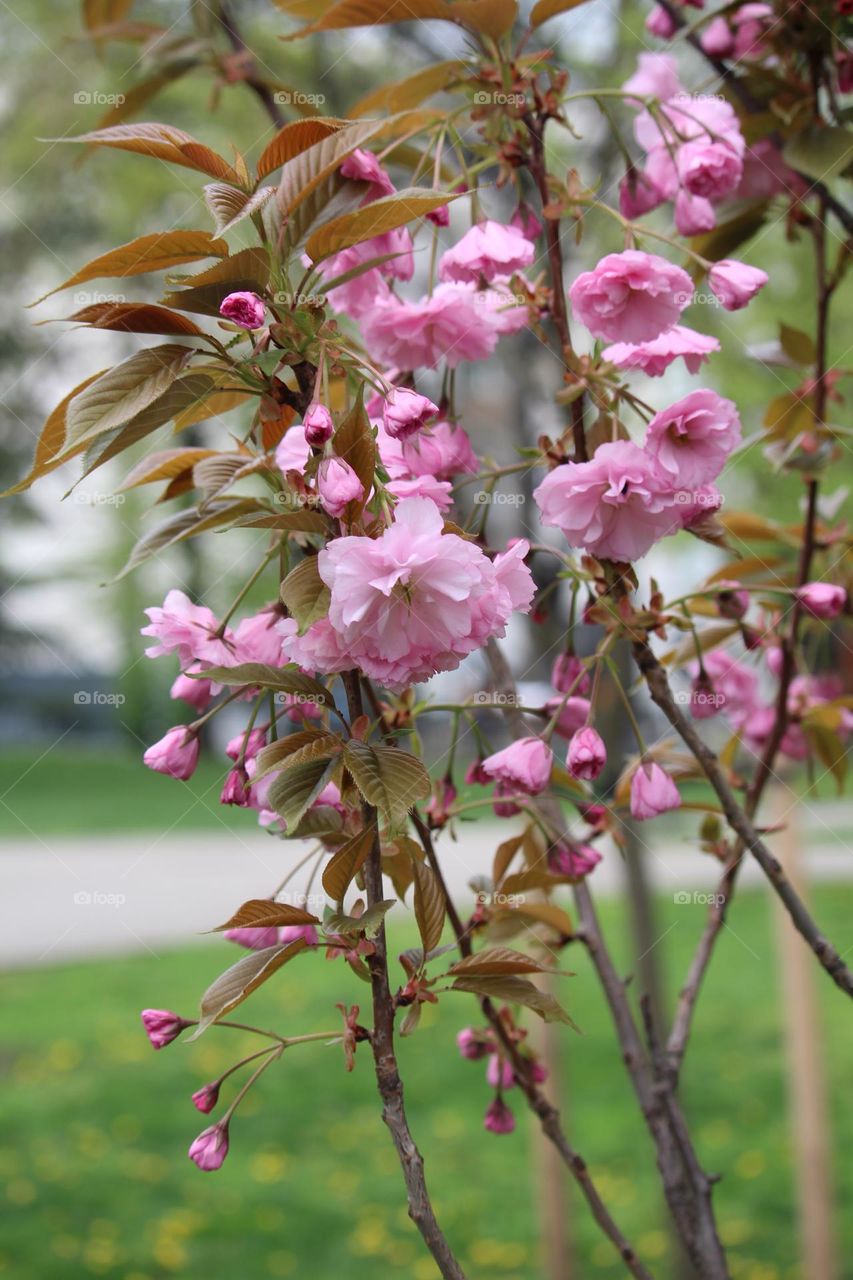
x=545 y=9
x=355 y=443
x=246 y=271
x=389 y=779
x=185 y=524
x=429 y=905
x=50 y=452
x=229 y=205
x=237 y=983
x=411 y=92
x=182 y=394
x=125 y=391
x=292 y=792
x=540 y=913
x=163 y=466
x=295 y=137
x=487 y=17
x=133 y=317
x=385 y=214
x=147 y=253
x=346 y=862
x=497 y=960
x=261 y=913
x=305 y=594
x=515 y=990
x=162 y=142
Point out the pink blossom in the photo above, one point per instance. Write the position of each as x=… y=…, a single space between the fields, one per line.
x=210 y=1148
x=735 y=283
x=656 y=77
x=638 y=194
x=256 y=639
x=338 y=485
x=235 y=789
x=442 y=450
x=499 y=1072
x=587 y=754
x=525 y=764
x=568 y=674
x=317 y=424
x=617 y=505
x=253 y=939
x=717 y=39
x=368 y=289
x=822 y=599
x=197 y=693
x=696 y=507
x=502 y=806
x=438 y=491
x=362 y=166
x=660 y=23
x=710 y=169
x=411 y=602
x=405 y=412
x=206 y=1097
x=244 y=309
x=488 y=250
x=186 y=629
x=162 y=1026
x=750 y=22
x=631 y=296
x=440 y=217
x=441 y=802
x=573 y=714
x=254 y=742
x=449 y=325
x=732 y=600
x=526 y=221
x=652 y=791
x=499 y=1118
x=572 y=860
x=293 y=450
x=293 y=932
x=693 y=214
x=691 y=439
x=472 y=1044
x=176 y=754
x=654 y=358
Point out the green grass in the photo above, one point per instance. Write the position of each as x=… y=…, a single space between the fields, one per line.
x=94 y=1179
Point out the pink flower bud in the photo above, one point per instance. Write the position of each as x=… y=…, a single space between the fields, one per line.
x=717 y=39
x=162 y=1026
x=440 y=216
x=405 y=412
x=573 y=714
x=441 y=800
x=652 y=791
x=317 y=424
x=207 y=1097
x=189 y=690
x=505 y=808
x=525 y=764
x=176 y=754
x=735 y=283
x=339 y=486
x=245 y=309
x=660 y=24
x=822 y=599
x=572 y=860
x=587 y=754
x=498 y=1117
x=256 y=740
x=732 y=601
x=236 y=789
x=476 y=775
x=499 y=1072
x=210 y=1148
x=568 y=674
x=471 y=1044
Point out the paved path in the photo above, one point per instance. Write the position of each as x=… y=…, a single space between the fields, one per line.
x=61 y=899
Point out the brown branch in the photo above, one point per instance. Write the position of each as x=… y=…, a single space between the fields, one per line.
x=384 y=1056
x=729 y=76
x=548 y=1115
x=260 y=89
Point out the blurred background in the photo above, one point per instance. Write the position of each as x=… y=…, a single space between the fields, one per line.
x=110 y=873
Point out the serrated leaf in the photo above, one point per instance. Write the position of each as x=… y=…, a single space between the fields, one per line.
x=305 y=594
x=281 y=679
x=248 y=270
x=302 y=520
x=147 y=253
x=50 y=452
x=125 y=391
x=515 y=991
x=183 y=393
x=134 y=317
x=412 y=91
x=261 y=913
x=498 y=960
x=161 y=142
x=237 y=983
x=389 y=779
x=164 y=465
x=545 y=9
x=384 y=214
x=229 y=205
x=369 y=922
x=486 y=17
x=346 y=862
x=296 y=789
x=428 y=904
x=295 y=137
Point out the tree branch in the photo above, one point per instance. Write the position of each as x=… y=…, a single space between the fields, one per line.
x=260 y=89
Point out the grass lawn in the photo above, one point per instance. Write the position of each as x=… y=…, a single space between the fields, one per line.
x=94 y=1179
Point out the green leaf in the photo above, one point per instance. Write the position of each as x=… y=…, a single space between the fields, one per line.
x=261 y=913
x=237 y=983
x=296 y=789
x=389 y=779
x=281 y=679
x=385 y=214
x=346 y=862
x=147 y=253
x=229 y=205
x=798 y=346
x=428 y=904
x=515 y=991
x=820 y=151
x=125 y=391
x=305 y=594
x=829 y=748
